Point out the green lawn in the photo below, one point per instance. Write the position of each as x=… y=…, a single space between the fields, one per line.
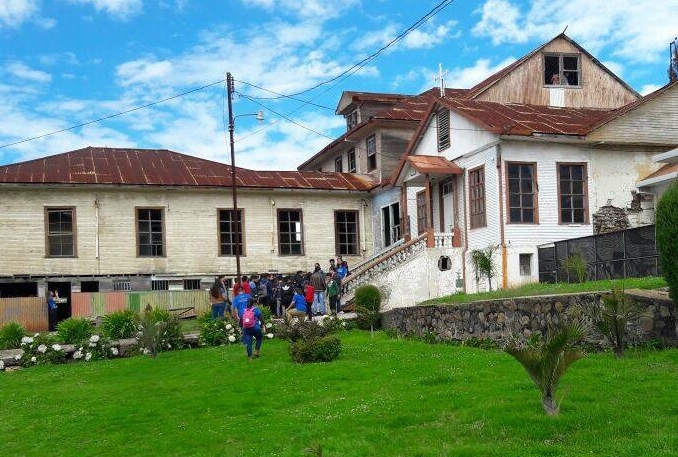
x=552 y=289
x=382 y=397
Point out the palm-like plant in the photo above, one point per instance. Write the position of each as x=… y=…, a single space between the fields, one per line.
x=616 y=311
x=483 y=264
x=546 y=361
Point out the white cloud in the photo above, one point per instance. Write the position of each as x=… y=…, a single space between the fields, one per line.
x=14 y=12
x=142 y=71
x=121 y=9
x=321 y=10
x=426 y=36
x=649 y=88
x=465 y=78
x=23 y=71
x=627 y=29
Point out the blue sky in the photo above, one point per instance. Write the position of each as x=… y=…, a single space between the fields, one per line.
x=68 y=62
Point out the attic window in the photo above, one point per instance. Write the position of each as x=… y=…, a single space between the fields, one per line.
x=351 y=120
x=443 y=129
x=562 y=70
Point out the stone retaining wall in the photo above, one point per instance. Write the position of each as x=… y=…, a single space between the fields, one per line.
x=496 y=319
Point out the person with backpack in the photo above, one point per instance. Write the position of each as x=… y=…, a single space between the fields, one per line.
x=240 y=303
x=250 y=321
x=342 y=267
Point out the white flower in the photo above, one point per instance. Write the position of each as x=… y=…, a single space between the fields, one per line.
x=26 y=340
x=169 y=346
x=42 y=349
x=146 y=351
x=92 y=344
x=18 y=357
x=94 y=338
x=88 y=356
x=269 y=324
x=77 y=355
x=35 y=335
x=269 y=336
x=229 y=327
x=343 y=323
x=56 y=347
x=115 y=351
x=2 y=365
x=231 y=339
x=34 y=359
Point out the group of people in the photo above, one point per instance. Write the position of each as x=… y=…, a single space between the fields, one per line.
x=298 y=296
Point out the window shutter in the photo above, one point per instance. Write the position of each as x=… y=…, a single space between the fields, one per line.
x=443 y=129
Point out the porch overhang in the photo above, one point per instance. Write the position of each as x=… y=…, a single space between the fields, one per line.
x=433 y=165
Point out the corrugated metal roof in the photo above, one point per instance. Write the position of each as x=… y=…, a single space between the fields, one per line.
x=434 y=165
x=160 y=167
x=527 y=120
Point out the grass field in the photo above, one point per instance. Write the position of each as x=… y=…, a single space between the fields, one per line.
x=552 y=289
x=382 y=397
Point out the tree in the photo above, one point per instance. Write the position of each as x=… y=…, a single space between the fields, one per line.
x=612 y=317
x=546 y=361
x=666 y=219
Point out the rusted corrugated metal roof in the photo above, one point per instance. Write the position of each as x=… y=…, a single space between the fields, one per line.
x=434 y=165
x=527 y=120
x=160 y=167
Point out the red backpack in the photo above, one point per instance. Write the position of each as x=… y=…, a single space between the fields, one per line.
x=249 y=319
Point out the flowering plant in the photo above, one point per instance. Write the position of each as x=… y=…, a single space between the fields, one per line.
x=215 y=332
x=95 y=348
x=40 y=350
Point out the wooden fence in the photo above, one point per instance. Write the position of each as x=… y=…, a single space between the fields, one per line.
x=85 y=304
x=31 y=312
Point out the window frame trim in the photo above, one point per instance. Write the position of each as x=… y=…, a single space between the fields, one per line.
x=587 y=220
x=301 y=224
x=470 y=199
x=368 y=155
x=136 y=232
x=74 y=231
x=561 y=69
x=357 y=231
x=351 y=152
x=242 y=233
x=535 y=193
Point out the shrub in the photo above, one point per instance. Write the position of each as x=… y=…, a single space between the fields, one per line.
x=612 y=317
x=159 y=330
x=666 y=220
x=323 y=349
x=367 y=305
x=120 y=324
x=40 y=350
x=11 y=334
x=575 y=265
x=74 y=330
x=215 y=332
x=483 y=264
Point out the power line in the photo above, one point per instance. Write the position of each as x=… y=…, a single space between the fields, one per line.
x=112 y=115
x=250 y=97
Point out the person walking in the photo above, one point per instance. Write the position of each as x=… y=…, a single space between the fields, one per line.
x=250 y=322
x=216 y=298
x=318 y=282
x=240 y=303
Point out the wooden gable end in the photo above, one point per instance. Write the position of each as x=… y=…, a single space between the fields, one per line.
x=652 y=121
x=598 y=87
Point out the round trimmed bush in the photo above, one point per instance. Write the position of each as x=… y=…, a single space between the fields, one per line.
x=666 y=219
x=367 y=305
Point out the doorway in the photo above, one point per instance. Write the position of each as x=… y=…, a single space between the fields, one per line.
x=446 y=207
x=64 y=303
x=390 y=223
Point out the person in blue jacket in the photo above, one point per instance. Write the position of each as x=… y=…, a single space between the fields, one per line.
x=298 y=306
x=251 y=331
x=240 y=302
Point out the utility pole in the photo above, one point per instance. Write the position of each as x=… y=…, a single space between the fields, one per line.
x=235 y=217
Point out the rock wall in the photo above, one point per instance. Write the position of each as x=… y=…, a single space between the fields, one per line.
x=496 y=319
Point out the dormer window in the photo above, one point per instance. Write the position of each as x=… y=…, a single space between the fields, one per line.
x=562 y=70
x=351 y=120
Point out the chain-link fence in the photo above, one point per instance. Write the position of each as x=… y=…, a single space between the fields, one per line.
x=628 y=253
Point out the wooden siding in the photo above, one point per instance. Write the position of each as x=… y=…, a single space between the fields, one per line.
x=525 y=84
x=653 y=122
x=30 y=312
x=190 y=227
x=102 y=303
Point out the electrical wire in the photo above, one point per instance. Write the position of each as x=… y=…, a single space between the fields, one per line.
x=111 y=116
